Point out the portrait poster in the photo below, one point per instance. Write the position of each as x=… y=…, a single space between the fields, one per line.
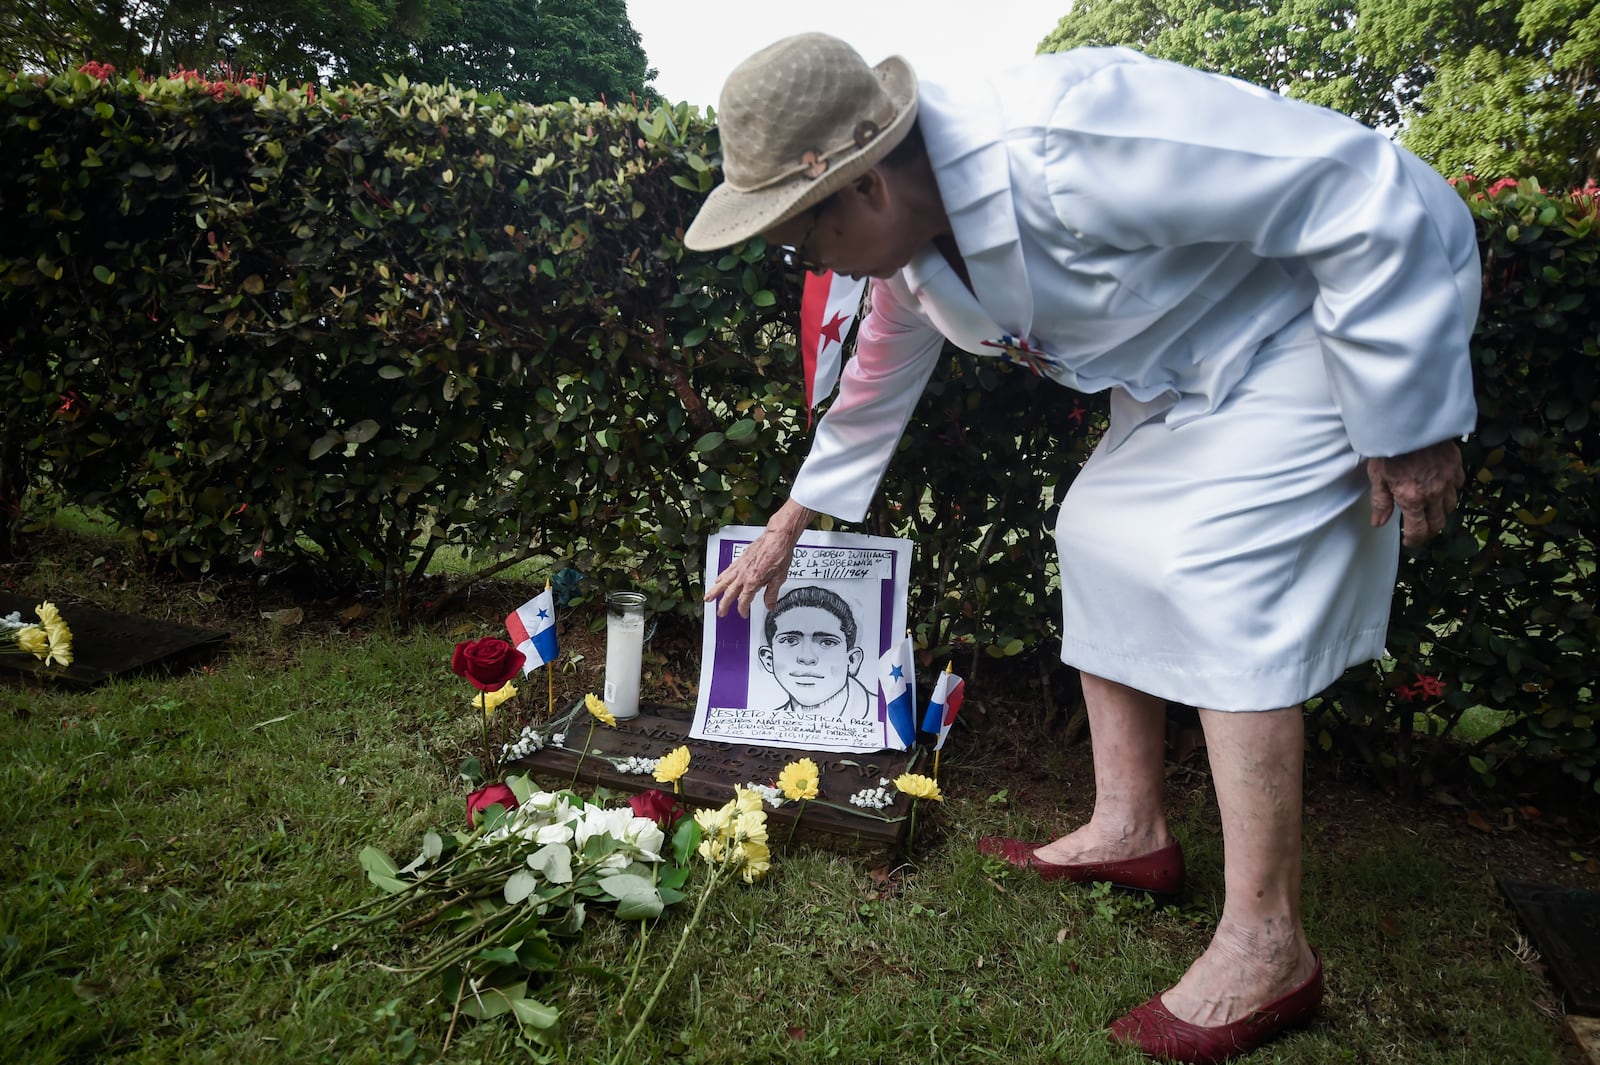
x=805 y=675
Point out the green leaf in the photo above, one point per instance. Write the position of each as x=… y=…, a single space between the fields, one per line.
x=519 y=885
x=686 y=840
x=708 y=443
x=554 y=862
x=537 y=953
x=362 y=431
x=521 y=787
x=322 y=445
x=534 y=1014
x=742 y=430
x=696 y=336
x=381 y=870
x=764 y=298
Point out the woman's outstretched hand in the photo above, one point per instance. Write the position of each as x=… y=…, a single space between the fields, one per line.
x=764 y=564
x=1425 y=484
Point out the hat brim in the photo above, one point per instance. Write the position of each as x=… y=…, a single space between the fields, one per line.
x=730 y=217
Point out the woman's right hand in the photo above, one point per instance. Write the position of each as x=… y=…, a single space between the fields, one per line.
x=764 y=564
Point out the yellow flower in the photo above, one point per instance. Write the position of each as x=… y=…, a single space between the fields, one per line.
x=601 y=712
x=736 y=834
x=673 y=765
x=31 y=638
x=487 y=701
x=60 y=636
x=752 y=827
x=799 y=780
x=714 y=822
x=48 y=614
x=756 y=860
x=918 y=786
x=747 y=801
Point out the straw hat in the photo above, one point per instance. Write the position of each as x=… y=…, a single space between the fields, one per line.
x=799 y=120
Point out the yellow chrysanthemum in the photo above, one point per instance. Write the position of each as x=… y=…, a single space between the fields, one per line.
x=31 y=638
x=799 y=780
x=747 y=801
x=673 y=765
x=714 y=822
x=48 y=615
x=756 y=859
x=58 y=634
x=751 y=826
x=487 y=701
x=918 y=786
x=598 y=708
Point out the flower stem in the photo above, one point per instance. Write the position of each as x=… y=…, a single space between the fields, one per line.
x=483 y=719
x=717 y=876
x=794 y=825
x=574 y=785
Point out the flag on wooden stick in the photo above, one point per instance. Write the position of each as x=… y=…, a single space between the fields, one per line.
x=898 y=683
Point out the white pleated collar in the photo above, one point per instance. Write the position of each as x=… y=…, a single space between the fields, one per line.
x=962 y=131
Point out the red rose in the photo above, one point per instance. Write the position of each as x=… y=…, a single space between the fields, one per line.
x=487 y=796
x=487 y=663
x=658 y=806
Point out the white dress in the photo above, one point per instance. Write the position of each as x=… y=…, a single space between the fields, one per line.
x=1269 y=290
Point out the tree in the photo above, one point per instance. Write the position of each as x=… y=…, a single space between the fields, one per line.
x=281 y=39
x=540 y=51
x=1501 y=86
x=535 y=50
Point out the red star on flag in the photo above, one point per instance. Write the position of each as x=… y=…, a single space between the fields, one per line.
x=830 y=329
x=827 y=307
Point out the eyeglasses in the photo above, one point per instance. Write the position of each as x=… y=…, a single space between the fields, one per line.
x=794 y=255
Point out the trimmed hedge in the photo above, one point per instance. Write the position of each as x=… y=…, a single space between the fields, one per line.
x=351 y=327
x=1500 y=610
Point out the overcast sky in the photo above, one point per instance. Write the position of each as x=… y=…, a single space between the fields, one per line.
x=694 y=44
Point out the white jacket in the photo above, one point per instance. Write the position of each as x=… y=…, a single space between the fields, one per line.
x=1144 y=227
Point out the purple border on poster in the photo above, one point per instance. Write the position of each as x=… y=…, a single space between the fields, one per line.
x=730 y=679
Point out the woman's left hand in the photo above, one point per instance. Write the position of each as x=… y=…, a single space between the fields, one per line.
x=1425 y=485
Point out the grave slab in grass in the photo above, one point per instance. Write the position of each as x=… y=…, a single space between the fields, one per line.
x=106 y=644
x=715 y=767
x=1564 y=923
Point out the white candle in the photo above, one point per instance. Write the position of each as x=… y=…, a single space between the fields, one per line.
x=624 y=652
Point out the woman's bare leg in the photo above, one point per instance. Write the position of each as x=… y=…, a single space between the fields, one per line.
x=1259 y=951
x=1127 y=729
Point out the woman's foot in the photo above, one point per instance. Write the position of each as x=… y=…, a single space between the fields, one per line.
x=1159 y=871
x=1090 y=843
x=1241 y=969
x=1156 y=1031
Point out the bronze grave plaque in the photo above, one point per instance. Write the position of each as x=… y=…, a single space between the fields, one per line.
x=715 y=768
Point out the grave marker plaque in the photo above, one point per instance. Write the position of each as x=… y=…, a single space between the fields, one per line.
x=716 y=767
x=106 y=644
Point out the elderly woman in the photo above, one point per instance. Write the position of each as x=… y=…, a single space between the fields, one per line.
x=1278 y=300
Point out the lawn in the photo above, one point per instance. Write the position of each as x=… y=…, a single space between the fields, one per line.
x=168 y=840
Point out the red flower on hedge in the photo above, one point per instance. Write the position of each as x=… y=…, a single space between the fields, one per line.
x=487 y=796
x=658 y=806
x=487 y=663
x=1426 y=687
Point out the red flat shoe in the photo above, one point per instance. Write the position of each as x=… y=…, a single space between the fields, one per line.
x=1160 y=872
x=1153 y=1029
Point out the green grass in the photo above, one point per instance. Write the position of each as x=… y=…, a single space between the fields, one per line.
x=167 y=841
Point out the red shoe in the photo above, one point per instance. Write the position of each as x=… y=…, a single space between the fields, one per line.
x=1160 y=872
x=1154 y=1030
